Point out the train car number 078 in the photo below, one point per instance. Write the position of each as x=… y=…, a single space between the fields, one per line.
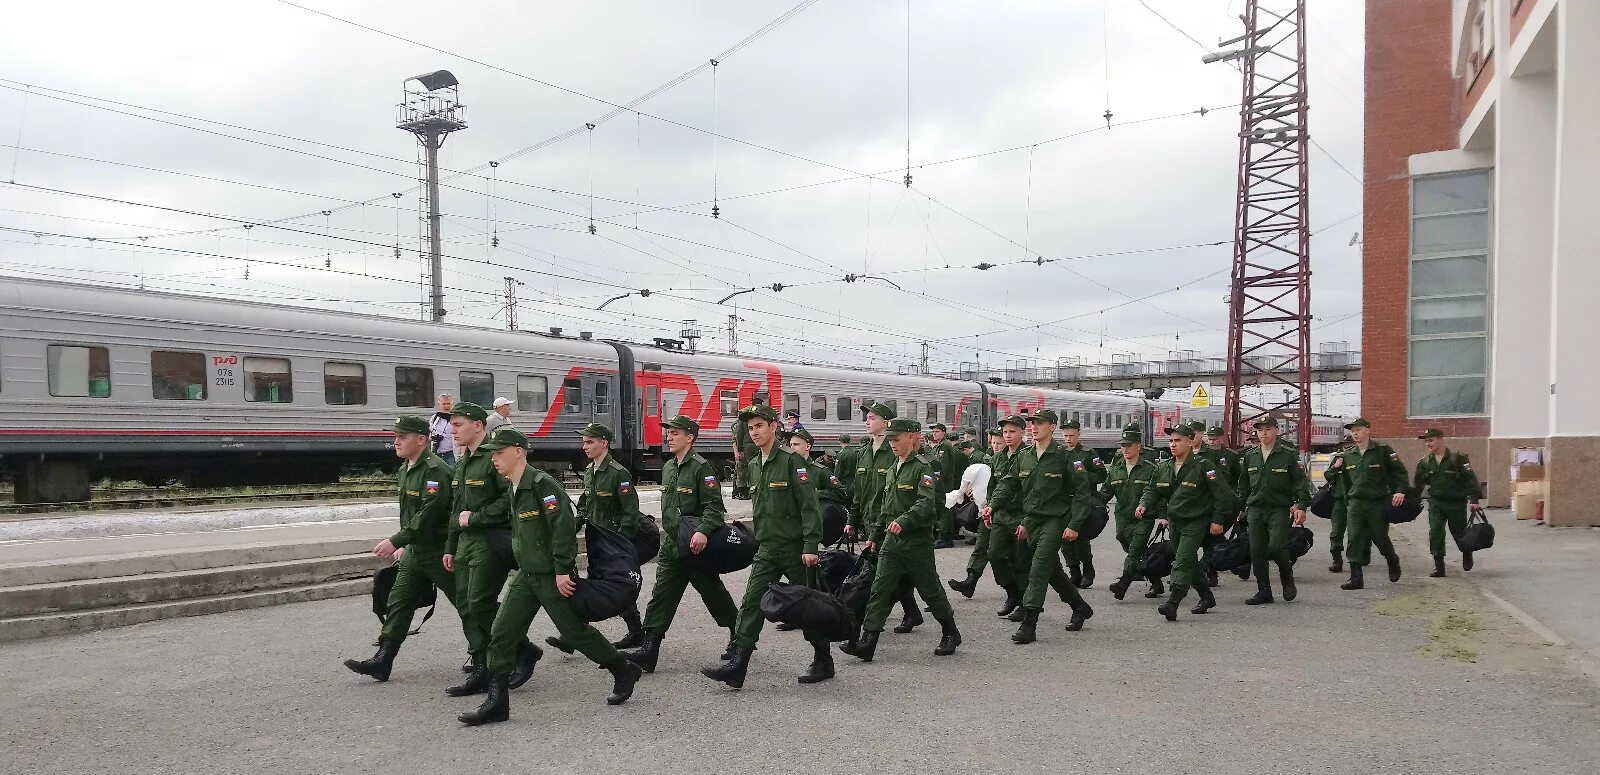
x=222 y=367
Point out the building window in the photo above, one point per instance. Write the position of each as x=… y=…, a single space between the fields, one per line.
x=573 y=389
x=268 y=380
x=532 y=393
x=78 y=372
x=1449 y=324
x=344 y=384
x=477 y=387
x=843 y=409
x=177 y=376
x=819 y=407
x=413 y=386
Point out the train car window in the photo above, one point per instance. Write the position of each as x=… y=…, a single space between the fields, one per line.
x=844 y=409
x=933 y=413
x=78 y=372
x=791 y=402
x=344 y=384
x=893 y=404
x=950 y=413
x=176 y=376
x=413 y=386
x=729 y=401
x=764 y=396
x=573 y=390
x=533 y=393
x=1076 y=417
x=602 y=396
x=477 y=387
x=819 y=407
x=911 y=410
x=268 y=380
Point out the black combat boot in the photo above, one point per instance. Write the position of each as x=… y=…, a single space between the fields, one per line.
x=635 y=636
x=1466 y=560
x=1211 y=576
x=1027 y=633
x=1119 y=588
x=645 y=656
x=1355 y=582
x=469 y=665
x=379 y=665
x=864 y=647
x=741 y=493
x=732 y=671
x=1157 y=589
x=1169 y=609
x=1017 y=615
x=1438 y=568
x=1013 y=600
x=560 y=645
x=1243 y=573
x=624 y=675
x=477 y=681
x=496 y=706
x=821 y=668
x=727 y=651
x=1338 y=564
x=1208 y=600
x=1286 y=578
x=967 y=587
x=949 y=638
x=1086 y=579
x=1263 y=595
x=913 y=617
x=1394 y=567
x=1080 y=614
x=527 y=657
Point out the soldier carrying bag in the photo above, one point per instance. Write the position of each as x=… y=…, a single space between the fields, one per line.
x=728 y=548
x=647 y=541
x=1096 y=521
x=1158 y=555
x=1478 y=534
x=806 y=608
x=613 y=580
x=1232 y=552
x=1322 y=502
x=1299 y=541
x=1405 y=512
x=383 y=584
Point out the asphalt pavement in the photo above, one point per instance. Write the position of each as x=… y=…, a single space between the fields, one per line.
x=1420 y=676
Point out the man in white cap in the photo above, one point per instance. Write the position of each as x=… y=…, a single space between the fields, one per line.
x=501 y=414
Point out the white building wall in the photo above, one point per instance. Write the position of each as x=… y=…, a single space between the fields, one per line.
x=1574 y=333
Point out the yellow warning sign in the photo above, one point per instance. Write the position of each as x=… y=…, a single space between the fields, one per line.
x=1200 y=395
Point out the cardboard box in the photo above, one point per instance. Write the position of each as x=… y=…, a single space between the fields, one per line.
x=1527 y=506
x=1527 y=472
x=1531 y=455
x=1534 y=488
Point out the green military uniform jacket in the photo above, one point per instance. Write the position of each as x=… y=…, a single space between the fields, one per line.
x=1276 y=481
x=741 y=437
x=544 y=531
x=1450 y=479
x=975 y=455
x=829 y=487
x=872 y=468
x=1005 y=488
x=478 y=489
x=1377 y=473
x=1127 y=485
x=424 y=504
x=910 y=498
x=1088 y=462
x=1195 y=491
x=609 y=498
x=1227 y=462
x=1051 y=483
x=948 y=464
x=844 y=467
x=784 y=495
x=690 y=487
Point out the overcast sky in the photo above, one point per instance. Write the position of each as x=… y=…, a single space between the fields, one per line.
x=824 y=95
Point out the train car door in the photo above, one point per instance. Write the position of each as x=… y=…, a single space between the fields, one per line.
x=650 y=411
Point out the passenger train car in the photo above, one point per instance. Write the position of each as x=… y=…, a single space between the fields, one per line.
x=156 y=386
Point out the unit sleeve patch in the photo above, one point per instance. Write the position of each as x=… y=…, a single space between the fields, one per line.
x=550 y=503
x=927 y=480
x=802 y=475
x=1211 y=473
x=711 y=482
x=1077 y=465
x=432 y=487
x=625 y=487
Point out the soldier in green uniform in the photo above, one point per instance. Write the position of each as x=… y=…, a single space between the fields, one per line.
x=1191 y=496
x=1050 y=484
x=545 y=541
x=1126 y=481
x=980 y=550
x=844 y=464
x=1275 y=491
x=610 y=502
x=948 y=465
x=419 y=544
x=903 y=542
x=1003 y=515
x=689 y=489
x=874 y=460
x=788 y=527
x=830 y=489
x=741 y=456
x=1372 y=474
x=1451 y=484
x=1078 y=555
x=1337 y=530
x=1228 y=464
x=479 y=510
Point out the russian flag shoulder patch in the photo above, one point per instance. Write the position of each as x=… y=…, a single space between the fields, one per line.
x=550 y=503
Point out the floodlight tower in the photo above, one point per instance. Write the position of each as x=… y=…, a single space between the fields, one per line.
x=431 y=109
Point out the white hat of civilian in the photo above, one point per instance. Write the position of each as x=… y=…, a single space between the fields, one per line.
x=502 y=401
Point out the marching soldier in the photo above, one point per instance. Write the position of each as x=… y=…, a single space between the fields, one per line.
x=980 y=549
x=1126 y=481
x=830 y=489
x=947 y=465
x=1003 y=515
x=1229 y=464
x=419 y=544
x=788 y=529
x=1189 y=495
x=545 y=540
x=689 y=490
x=741 y=456
x=1274 y=489
x=480 y=512
x=1050 y=486
x=1372 y=473
x=844 y=465
x=1079 y=556
x=1451 y=484
x=610 y=502
x=1337 y=530
x=904 y=543
x=874 y=460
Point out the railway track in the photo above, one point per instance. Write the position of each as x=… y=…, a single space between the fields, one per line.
x=103 y=499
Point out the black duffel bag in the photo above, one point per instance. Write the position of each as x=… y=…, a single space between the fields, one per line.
x=835 y=565
x=967 y=515
x=647 y=542
x=813 y=611
x=1299 y=541
x=499 y=542
x=1095 y=523
x=383 y=584
x=857 y=587
x=1322 y=502
x=834 y=518
x=728 y=548
x=1405 y=512
x=613 y=580
x=1478 y=534
x=1232 y=552
x=1158 y=555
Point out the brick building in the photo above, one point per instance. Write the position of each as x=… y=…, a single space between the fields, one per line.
x=1482 y=247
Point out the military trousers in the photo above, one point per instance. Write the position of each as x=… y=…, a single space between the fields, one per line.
x=419 y=570
x=1040 y=566
x=1367 y=527
x=1336 y=533
x=1004 y=552
x=899 y=560
x=528 y=593
x=1188 y=535
x=1133 y=535
x=1076 y=553
x=1269 y=537
x=672 y=578
x=1442 y=514
x=773 y=562
x=980 y=550
x=480 y=575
